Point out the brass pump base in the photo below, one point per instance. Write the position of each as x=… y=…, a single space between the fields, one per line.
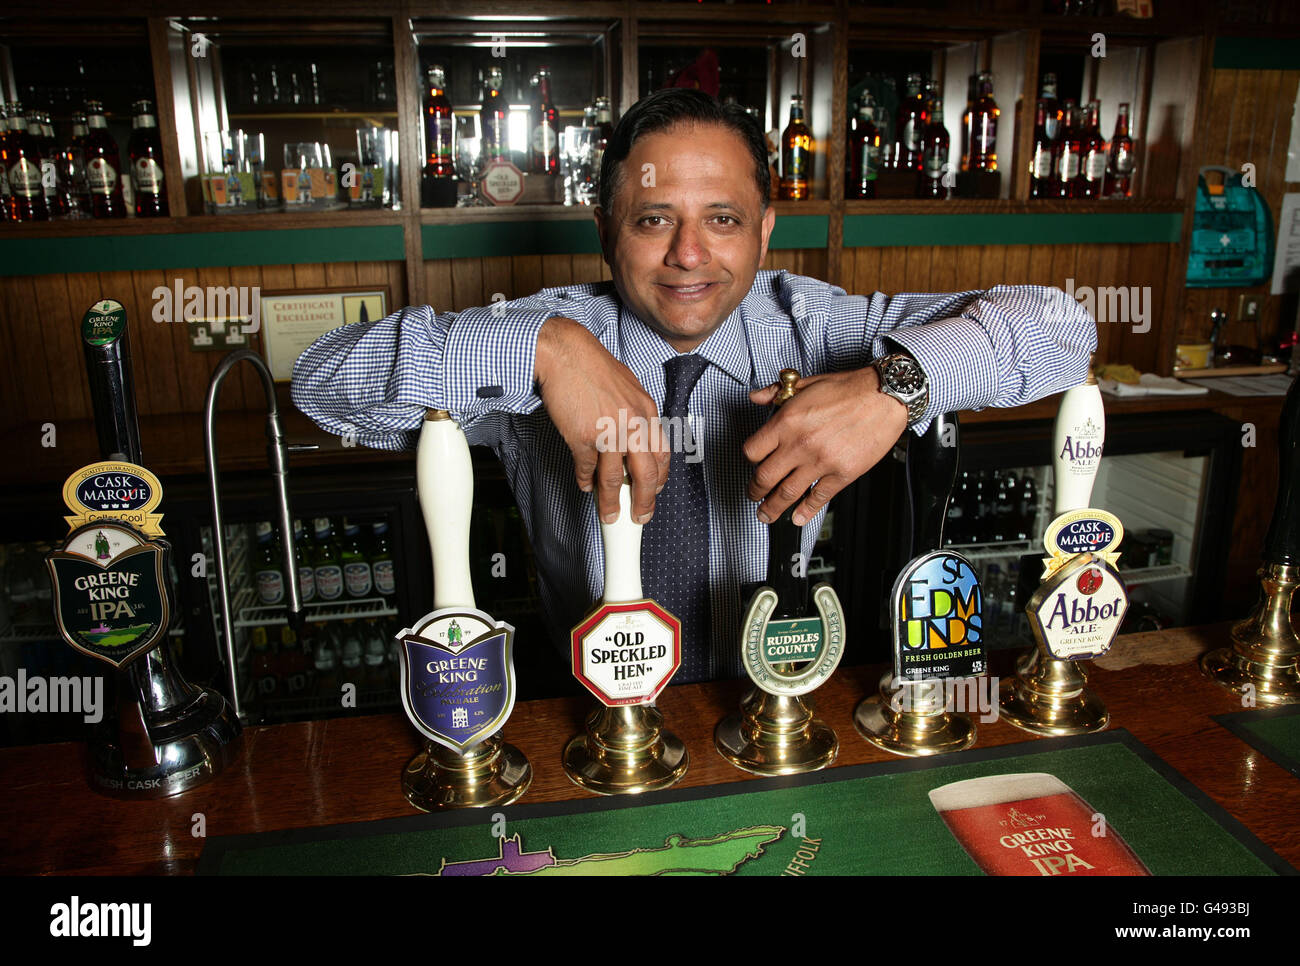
x=1265 y=652
x=625 y=751
x=918 y=726
x=775 y=734
x=492 y=773
x=1050 y=697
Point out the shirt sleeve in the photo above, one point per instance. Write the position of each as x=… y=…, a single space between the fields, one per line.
x=373 y=381
x=1003 y=347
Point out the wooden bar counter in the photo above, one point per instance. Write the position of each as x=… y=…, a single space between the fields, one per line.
x=347 y=770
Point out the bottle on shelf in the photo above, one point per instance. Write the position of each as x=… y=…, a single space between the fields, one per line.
x=266 y=684
x=293 y=664
x=1026 y=508
x=103 y=166
x=1121 y=160
x=328 y=570
x=351 y=652
x=357 y=579
x=38 y=125
x=1092 y=154
x=967 y=119
x=22 y=168
x=863 y=165
x=983 y=127
x=325 y=660
x=1040 y=164
x=381 y=561
x=303 y=561
x=494 y=117
x=1065 y=155
x=145 y=149
x=1052 y=106
x=268 y=572
x=934 y=156
x=544 y=127
x=375 y=659
x=909 y=124
x=604 y=131
x=796 y=154
x=439 y=125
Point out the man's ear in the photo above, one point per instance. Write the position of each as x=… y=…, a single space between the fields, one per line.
x=602 y=229
x=769 y=219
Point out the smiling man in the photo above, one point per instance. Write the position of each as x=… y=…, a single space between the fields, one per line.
x=689 y=328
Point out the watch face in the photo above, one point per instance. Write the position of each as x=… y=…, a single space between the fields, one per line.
x=904 y=376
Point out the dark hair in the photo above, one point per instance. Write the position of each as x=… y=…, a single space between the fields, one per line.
x=661 y=110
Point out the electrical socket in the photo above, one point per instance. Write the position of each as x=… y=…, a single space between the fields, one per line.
x=1248 y=308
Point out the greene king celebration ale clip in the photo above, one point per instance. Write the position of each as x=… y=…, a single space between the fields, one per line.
x=1032 y=824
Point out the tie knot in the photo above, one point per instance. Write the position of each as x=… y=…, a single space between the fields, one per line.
x=681 y=373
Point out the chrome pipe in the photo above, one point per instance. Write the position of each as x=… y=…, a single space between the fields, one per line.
x=278 y=458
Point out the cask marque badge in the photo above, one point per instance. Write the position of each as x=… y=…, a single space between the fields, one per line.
x=114 y=490
x=110 y=591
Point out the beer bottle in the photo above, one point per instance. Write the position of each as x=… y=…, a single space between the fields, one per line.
x=325 y=662
x=1121 y=159
x=265 y=683
x=375 y=659
x=1092 y=155
x=1040 y=165
x=494 y=118
x=357 y=580
x=1051 y=106
x=302 y=560
x=864 y=151
x=351 y=653
x=439 y=124
x=328 y=570
x=934 y=155
x=145 y=149
x=796 y=154
x=984 y=126
x=267 y=572
x=103 y=166
x=38 y=123
x=1065 y=155
x=293 y=664
x=544 y=126
x=604 y=118
x=381 y=561
x=910 y=122
x=22 y=165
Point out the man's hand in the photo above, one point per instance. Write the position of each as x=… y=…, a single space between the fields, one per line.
x=582 y=386
x=836 y=428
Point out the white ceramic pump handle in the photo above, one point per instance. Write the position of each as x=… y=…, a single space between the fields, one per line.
x=445 y=482
x=622 y=552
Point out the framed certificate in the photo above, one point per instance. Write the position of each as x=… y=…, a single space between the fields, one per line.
x=291 y=321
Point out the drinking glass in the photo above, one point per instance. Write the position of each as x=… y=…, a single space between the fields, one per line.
x=233 y=162
x=469 y=167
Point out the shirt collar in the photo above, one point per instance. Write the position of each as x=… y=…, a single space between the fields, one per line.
x=727 y=348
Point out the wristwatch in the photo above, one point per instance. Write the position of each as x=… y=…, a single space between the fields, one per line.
x=901 y=377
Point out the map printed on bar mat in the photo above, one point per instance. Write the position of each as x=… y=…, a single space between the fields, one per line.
x=1025 y=809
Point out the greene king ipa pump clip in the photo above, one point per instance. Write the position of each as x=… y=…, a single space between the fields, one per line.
x=111 y=578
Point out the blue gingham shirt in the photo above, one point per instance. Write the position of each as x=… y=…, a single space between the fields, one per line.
x=374 y=380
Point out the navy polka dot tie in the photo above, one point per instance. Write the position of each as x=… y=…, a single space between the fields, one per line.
x=675 y=543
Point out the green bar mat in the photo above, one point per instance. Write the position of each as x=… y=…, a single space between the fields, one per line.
x=1274 y=731
x=870 y=819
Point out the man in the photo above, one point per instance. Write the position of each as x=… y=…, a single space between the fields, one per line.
x=689 y=324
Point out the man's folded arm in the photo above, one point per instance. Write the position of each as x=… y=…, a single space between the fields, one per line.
x=1004 y=347
x=373 y=381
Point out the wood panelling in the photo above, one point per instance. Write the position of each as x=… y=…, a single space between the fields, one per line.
x=960 y=269
x=43 y=367
x=1249 y=122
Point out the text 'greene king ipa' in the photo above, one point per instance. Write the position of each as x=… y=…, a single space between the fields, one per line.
x=1031 y=824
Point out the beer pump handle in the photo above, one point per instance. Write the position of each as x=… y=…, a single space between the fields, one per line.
x=1077 y=441
x=1282 y=543
x=445 y=482
x=784 y=539
x=112 y=390
x=931 y=473
x=622 y=540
